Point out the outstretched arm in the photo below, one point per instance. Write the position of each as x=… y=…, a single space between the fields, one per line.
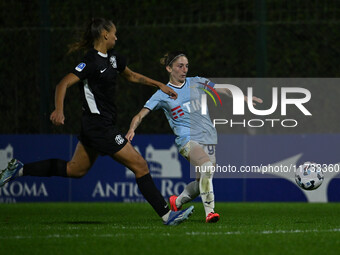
x=227 y=92
x=57 y=116
x=139 y=78
x=135 y=123
x=224 y=91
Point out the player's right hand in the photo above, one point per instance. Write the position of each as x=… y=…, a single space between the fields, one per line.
x=57 y=117
x=169 y=91
x=130 y=134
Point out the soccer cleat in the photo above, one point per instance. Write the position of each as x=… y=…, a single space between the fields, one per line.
x=173 y=206
x=212 y=217
x=178 y=217
x=10 y=172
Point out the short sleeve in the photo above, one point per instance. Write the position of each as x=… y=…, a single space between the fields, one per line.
x=204 y=82
x=84 y=70
x=121 y=63
x=154 y=102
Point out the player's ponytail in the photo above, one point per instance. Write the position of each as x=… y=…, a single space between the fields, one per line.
x=170 y=57
x=92 y=32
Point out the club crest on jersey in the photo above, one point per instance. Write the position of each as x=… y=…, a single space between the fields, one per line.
x=119 y=139
x=113 y=61
x=80 y=67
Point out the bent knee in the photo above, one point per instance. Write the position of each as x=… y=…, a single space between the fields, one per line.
x=143 y=167
x=140 y=167
x=76 y=172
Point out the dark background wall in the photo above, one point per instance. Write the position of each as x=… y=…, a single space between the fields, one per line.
x=247 y=38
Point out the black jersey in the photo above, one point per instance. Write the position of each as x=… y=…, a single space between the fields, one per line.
x=99 y=72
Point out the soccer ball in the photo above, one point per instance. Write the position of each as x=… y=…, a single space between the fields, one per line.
x=309 y=176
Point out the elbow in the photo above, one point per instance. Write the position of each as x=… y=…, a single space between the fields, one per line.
x=134 y=77
x=131 y=77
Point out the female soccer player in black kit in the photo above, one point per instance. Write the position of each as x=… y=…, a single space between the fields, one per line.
x=99 y=136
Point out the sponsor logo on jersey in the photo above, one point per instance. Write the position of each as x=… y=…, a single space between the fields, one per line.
x=113 y=61
x=177 y=112
x=80 y=67
x=206 y=85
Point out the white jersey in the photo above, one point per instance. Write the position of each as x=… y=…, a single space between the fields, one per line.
x=184 y=114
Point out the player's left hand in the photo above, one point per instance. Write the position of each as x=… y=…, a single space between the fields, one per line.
x=169 y=91
x=130 y=134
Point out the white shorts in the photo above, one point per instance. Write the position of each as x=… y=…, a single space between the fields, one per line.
x=209 y=149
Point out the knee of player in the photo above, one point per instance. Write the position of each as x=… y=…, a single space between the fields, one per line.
x=207 y=170
x=208 y=175
x=141 y=166
x=75 y=172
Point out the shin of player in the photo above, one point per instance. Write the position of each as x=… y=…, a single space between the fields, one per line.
x=204 y=159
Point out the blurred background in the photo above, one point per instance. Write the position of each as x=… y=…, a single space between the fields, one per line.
x=222 y=38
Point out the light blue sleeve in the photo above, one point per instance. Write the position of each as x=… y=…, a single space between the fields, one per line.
x=154 y=102
x=202 y=81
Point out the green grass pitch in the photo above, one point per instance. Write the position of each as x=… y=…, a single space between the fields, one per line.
x=134 y=228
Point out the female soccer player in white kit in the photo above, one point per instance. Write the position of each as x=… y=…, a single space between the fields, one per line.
x=196 y=136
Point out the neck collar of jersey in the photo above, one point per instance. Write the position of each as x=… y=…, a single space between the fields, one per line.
x=178 y=86
x=104 y=55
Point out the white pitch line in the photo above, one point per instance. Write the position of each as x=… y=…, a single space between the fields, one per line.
x=265 y=232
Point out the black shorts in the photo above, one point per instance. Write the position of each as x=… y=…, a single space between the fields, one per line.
x=99 y=133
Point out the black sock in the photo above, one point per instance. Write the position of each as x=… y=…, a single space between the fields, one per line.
x=46 y=168
x=152 y=194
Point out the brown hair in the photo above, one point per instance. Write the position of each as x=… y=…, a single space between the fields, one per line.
x=91 y=33
x=170 y=57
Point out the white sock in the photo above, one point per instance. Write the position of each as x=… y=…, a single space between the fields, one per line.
x=166 y=216
x=21 y=172
x=190 y=192
x=206 y=187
